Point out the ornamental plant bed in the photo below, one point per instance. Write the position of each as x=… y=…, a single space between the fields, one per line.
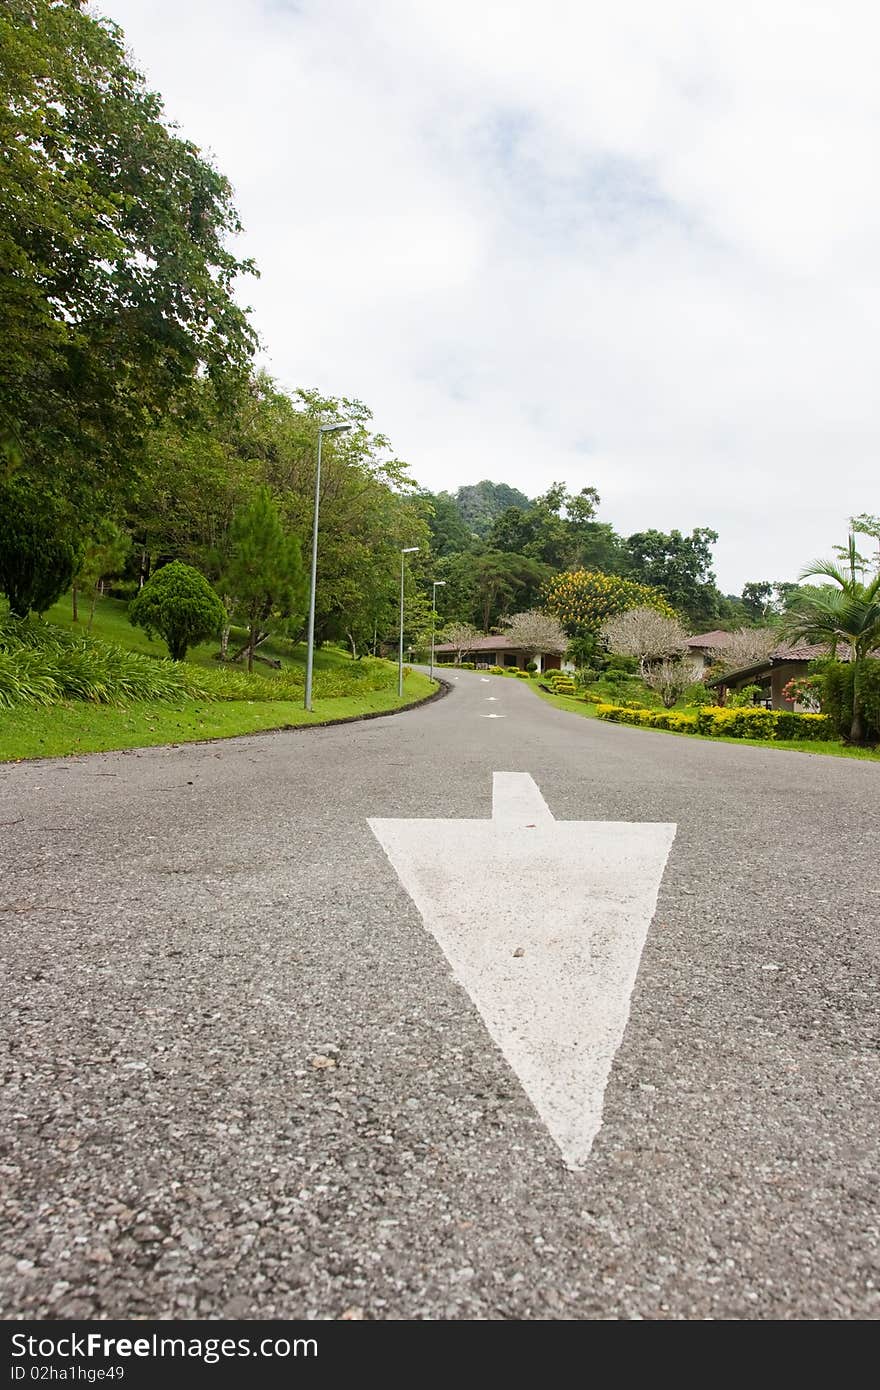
x=715 y=722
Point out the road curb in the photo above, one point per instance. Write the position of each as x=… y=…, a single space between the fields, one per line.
x=444 y=687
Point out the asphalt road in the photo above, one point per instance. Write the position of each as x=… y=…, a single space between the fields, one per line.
x=241 y=1080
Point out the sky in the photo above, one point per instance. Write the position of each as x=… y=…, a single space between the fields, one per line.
x=627 y=245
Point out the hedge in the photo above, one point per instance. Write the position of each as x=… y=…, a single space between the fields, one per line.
x=714 y=722
x=837 y=693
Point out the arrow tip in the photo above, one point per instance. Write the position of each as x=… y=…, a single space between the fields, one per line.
x=517 y=802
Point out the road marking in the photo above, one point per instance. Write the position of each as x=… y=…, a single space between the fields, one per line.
x=484 y=679
x=493 y=716
x=491 y=698
x=543 y=923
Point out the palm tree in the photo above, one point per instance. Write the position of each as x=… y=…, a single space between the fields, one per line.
x=849 y=614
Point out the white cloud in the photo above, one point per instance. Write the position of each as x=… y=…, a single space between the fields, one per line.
x=632 y=245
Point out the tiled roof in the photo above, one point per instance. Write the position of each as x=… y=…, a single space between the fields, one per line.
x=804 y=651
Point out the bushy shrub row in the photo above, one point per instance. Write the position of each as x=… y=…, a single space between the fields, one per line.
x=649 y=718
x=837 y=694
x=560 y=682
x=714 y=722
x=40 y=665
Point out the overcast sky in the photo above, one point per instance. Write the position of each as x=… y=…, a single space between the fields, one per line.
x=625 y=244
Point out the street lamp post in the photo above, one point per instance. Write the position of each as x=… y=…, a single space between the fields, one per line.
x=409 y=550
x=438 y=584
x=310 y=647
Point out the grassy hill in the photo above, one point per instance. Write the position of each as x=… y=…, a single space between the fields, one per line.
x=215 y=701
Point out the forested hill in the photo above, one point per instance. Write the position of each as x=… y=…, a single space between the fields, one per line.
x=478 y=504
x=492 y=567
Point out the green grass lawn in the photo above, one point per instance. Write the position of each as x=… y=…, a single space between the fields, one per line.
x=831 y=748
x=111 y=625
x=80 y=727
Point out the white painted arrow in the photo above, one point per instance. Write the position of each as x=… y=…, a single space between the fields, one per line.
x=543 y=923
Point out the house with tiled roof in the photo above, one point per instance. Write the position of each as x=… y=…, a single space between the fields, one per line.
x=500 y=651
x=701 y=645
x=773 y=673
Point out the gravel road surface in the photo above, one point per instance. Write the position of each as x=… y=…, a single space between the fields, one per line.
x=241 y=1081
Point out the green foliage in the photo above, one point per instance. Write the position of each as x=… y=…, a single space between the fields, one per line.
x=40 y=664
x=697 y=695
x=531 y=666
x=449 y=533
x=480 y=503
x=837 y=682
x=715 y=722
x=617 y=662
x=179 y=604
x=678 y=722
x=556 y=529
x=587 y=651
x=846 y=611
x=744 y=697
x=104 y=553
x=38 y=554
x=583 y=601
x=765 y=599
x=496 y=670
x=265 y=572
x=118 y=283
x=680 y=567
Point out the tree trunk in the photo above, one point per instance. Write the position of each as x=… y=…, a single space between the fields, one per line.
x=351 y=643
x=224 y=641
x=92 y=606
x=857 y=727
x=252 y=642
x=74 y=595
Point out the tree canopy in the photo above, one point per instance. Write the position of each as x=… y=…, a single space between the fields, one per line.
x=118 y=278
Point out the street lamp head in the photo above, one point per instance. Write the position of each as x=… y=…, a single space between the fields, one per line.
x=332 y=429
x=410 y=549
x=439 y=583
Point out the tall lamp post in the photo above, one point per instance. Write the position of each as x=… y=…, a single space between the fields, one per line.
x=310 y=648
x=409 y=550
x=438 y=584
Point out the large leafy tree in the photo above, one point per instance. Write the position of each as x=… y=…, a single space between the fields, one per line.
x=117 y=284
x=843 y=612
x=680 y=566
x=449 y=532
x=764 y=598
x=584 y=600
x=558 y=528
x=503 y=581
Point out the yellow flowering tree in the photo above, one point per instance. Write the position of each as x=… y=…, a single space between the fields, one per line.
x=582 y=600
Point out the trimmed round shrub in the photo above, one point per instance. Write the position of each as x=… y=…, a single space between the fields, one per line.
x=179 y=605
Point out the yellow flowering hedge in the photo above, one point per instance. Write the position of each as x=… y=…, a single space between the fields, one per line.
x=714 y=722
x=583 y=600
